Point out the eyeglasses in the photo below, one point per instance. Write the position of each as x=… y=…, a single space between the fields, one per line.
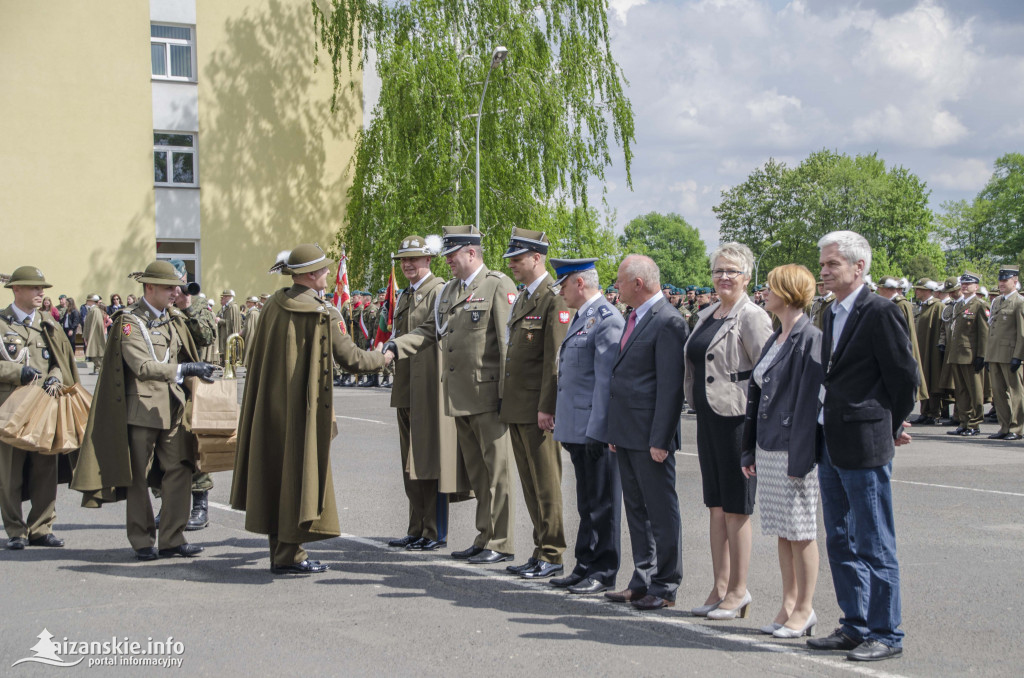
x=728 y=274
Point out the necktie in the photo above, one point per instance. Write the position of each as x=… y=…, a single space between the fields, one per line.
x=575 y=317
x=630 y=324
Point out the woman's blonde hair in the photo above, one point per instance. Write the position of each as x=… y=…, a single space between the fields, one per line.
x=793 y=284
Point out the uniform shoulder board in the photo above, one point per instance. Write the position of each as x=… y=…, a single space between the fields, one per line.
x=605 y=312
x=495 y=274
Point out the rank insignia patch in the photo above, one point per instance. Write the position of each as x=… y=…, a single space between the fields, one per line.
x=341 y=326
x=511 y=297
x=126 y=329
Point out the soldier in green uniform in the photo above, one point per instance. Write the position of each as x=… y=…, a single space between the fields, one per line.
x=703 y=301
x=1005 y=352
x=890 y=288
x=469 y=321
x=928 y=326
x=94 y=332
x=822 y=302
x=529 y=389
x=32 y=346
x=229 y=321
x=965 y=350
x=249 y=320
x=137 y=418
x=282 y=476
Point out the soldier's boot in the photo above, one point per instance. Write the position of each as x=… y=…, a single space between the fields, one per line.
x=362 y=380
x=349 y=381
x=200 y=515
x=372 y=380
x=389 y=381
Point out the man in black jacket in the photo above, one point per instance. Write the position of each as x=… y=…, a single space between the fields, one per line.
x=869 y=389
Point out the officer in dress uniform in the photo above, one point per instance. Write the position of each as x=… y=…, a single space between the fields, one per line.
x=94 y=332
x=32 y=346
x=1005 y=352
x=965 y=350
x=820 y=304
x=229 y=321
x=891 y=288
x=529 y=389
x=929 y=326
x=250 y=319
x=585 y=361
x=469 y=321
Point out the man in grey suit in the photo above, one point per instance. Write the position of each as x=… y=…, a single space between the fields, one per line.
x=585 y=360
x=645 y=402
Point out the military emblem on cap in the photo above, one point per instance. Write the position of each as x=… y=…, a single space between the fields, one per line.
x=1007 y=272
x=157 y=273
x=27 y=275
x=414 y=246
x=970 y=277
x=566 y=267
x=305 y=258
x=457 y=237
x=523 y=241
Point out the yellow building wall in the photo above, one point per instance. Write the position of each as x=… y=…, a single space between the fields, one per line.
x=272 y=156
x=76 y=163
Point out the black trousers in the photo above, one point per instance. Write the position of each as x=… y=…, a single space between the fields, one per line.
x=599 y=502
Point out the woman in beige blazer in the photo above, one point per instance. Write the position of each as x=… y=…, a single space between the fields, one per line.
x=722 y=350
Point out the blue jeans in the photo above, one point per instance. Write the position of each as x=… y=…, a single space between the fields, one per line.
x=860 y=537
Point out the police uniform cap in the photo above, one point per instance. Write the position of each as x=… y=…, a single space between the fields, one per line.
x=566 y=267
x=305 y=258
x=29 y=276
x=524 y=240
x=457 y=237
x=1007 y=272
x=158 y=273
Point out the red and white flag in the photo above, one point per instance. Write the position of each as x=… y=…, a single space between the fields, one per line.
x=341 y=291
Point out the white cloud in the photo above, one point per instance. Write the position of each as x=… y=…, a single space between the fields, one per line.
x=622 y=7
x=969 y=173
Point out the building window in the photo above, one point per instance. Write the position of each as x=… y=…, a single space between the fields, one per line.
x=174 y=159
x=181 y=253
x=172 y=51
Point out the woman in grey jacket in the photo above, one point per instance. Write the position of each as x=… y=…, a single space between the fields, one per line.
x=779 y=444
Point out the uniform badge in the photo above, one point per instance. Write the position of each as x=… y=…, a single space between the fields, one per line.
x=126 y=329
x=155 y=333
x=591 y=323
x=529 y=336
x=590 y=311
x=341 y=326
x=511 y=297
x=46 y=354
x=563 y=317
x=419 y=298
x=475 y=316
x=987 y=313
x=12 y=348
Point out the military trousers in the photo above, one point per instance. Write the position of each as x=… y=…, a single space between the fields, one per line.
x=171 y=448
x=486 y=451
x=201 y=482
x=1008 y=397
x=969 y=391
x=97 y=364
x=42 y=492
x=422 y=494
x=539 y=461
x=283 y=553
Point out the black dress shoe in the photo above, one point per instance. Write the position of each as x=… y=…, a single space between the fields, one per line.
x=874 y=651
x=17 y=543
x=519 y=569
x=944 y=422
x=998 y=436
x=47 y=540
x=544 y=569
x=588 y=585
x=926 y=421
x=183 y=550
x=489 y=557
x=836 y=641
x=305 y=567
x=1013 y=436
x=566 y=582
x=417 y=545
x=959 y=430
x=430 y=544
x=148 y=553
x=403 y=542
x=467 y=554
x=968 y=432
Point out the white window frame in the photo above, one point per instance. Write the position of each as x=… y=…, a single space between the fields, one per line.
x=167 y=42
x=184 y=257
x=176 y=150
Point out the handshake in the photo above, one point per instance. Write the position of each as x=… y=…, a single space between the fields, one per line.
x=389 y=350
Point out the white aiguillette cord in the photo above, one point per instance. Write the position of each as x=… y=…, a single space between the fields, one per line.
x=149 y=342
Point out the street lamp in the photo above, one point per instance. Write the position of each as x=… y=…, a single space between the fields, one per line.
x=758 y=264
x=496 y=58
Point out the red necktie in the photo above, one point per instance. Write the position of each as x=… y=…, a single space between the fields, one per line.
x=630 y=324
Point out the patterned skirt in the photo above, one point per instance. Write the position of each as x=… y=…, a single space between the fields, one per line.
x=789 y=506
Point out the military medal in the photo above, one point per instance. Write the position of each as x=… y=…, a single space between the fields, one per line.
x=591 y=322
x=529 y=336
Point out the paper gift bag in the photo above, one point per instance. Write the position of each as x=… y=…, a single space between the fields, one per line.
x=216 y=453
x=17 y=411
x=79 y=401
x=65 y=439
x=37 y=435
x=214 y=406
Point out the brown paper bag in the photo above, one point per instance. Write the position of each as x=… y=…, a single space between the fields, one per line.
x=65 y=439
x=37 y=435
x=214 y=406
x=79 y=401
x=17 y=411
x=216 y=453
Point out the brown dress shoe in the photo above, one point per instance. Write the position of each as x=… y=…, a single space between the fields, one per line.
x=625 y=595
x=652 y=603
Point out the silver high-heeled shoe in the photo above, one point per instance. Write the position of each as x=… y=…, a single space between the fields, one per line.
x=703 y=610
x=741 y=611
x=807 y=630
x=769 y=629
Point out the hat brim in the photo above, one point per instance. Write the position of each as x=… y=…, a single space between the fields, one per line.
x=449 y=250
x=308 y=268
x=515 y=252
x=172 y=282
x=412 y=255
x=28 y=283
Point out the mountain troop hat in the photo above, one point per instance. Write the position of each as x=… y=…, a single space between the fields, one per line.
x=457 y=237
x=305 y=258
x=158 y=273
x=29 y=276
x=414 y=246
x=523 y=241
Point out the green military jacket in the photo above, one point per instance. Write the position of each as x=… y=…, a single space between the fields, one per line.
x=536 y=329
x=1006 y=329
x=41 y=344
x=967 y=335
x=201 y=323
x=929 y=326
x=94 y=333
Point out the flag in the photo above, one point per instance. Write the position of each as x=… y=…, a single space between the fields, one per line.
x=341 y=291
x=386 y=321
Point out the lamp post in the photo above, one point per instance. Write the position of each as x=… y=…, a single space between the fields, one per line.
x=496 y=58
x=758 y=264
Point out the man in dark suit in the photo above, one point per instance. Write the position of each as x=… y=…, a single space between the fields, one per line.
x=870 y=384
x=645 y=402
x=581 y=423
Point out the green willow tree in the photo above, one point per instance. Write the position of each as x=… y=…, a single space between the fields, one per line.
x=549 y=114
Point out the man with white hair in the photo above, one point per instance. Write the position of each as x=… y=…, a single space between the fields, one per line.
x=868 y=390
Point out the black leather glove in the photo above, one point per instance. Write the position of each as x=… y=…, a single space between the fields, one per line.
x=1014 y=364
x=942 y=349
x=28 y=374
x=51 y=385
x=979 y=364
x=202 y=370
x=390 y=346
x=595 y=449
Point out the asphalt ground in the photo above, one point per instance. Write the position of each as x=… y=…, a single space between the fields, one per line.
x=382 y=611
